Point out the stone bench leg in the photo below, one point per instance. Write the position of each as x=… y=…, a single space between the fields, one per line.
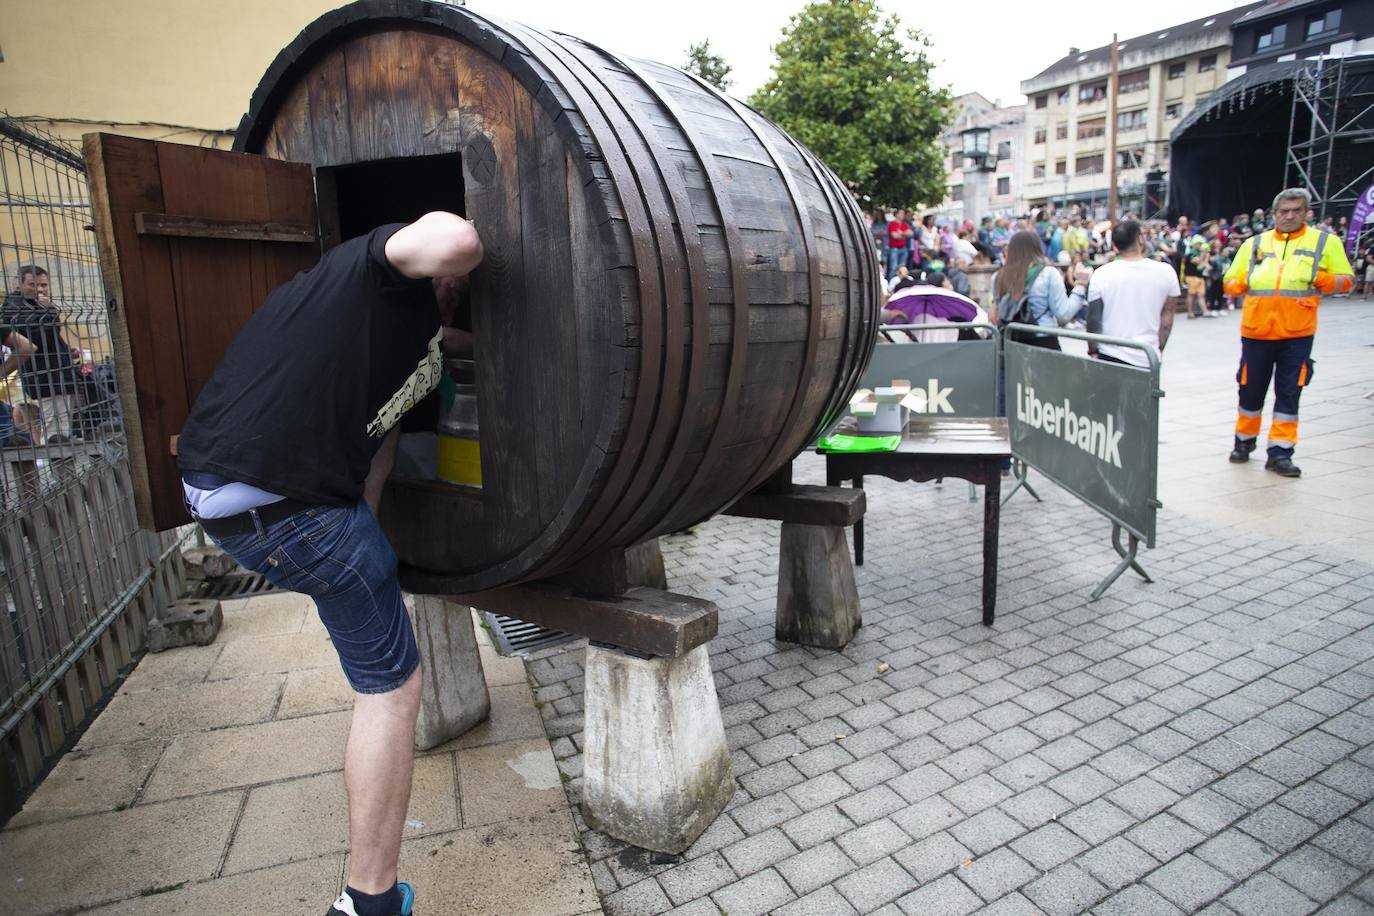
x=818 y=602
x=656 y=769
x=454 y=697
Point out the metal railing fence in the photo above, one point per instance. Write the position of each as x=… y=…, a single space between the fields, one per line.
x=79 y=580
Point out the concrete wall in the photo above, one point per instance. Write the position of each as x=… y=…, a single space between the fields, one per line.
x=176 y=71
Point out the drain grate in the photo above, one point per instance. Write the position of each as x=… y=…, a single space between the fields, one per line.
x=517 y=637
x=235 y=585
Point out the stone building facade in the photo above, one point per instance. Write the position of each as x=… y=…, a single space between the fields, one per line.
x=1163 y=75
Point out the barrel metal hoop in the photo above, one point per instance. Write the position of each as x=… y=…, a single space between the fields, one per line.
x=855 y=350
x=647 y=174
x=813 y=274
x=629 y=521
x=650 y=286
x=654 y=335
x=727 y=421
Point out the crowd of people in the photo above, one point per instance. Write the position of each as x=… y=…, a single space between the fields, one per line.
x=1123 y=278
x=1199 y=252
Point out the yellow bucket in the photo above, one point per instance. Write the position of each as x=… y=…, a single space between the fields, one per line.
x=460 y=460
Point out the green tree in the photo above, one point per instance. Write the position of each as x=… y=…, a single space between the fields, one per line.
x=710 y=67
x=847 y=85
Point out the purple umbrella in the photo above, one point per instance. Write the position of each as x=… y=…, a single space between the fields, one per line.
x=920 y=304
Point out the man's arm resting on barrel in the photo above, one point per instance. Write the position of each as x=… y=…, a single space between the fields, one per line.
x=437 y=244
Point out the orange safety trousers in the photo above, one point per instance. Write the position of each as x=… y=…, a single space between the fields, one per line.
x=1288 y=363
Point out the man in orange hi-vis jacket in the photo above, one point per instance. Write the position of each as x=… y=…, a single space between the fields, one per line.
x=1283 y=273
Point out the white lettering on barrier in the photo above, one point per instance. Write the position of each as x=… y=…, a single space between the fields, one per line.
x=1097 y=438
x=937 y=398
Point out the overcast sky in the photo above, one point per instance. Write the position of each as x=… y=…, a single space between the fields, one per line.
x=987 y=46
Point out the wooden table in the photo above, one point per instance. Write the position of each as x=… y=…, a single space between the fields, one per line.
x=972 y=448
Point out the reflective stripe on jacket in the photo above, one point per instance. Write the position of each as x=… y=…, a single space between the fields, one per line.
x=1276 y=274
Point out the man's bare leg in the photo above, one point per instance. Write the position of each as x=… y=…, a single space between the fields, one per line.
x=377 y=771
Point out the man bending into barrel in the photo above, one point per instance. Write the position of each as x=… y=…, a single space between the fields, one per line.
x=283 y=458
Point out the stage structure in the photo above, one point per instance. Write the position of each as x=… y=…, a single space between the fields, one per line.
x=1334 y=159
x=1296 y=123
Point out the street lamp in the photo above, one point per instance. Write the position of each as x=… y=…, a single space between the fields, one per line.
x=976 y=141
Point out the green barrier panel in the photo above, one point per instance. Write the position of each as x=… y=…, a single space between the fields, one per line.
x=1093 y=428
x=959 y=377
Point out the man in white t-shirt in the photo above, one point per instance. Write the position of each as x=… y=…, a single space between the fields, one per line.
x=1132 y=297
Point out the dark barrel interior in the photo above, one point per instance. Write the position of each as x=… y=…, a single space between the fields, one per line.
x=677 y=296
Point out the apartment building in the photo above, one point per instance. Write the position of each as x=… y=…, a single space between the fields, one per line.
x=989 y=182
x=1283 y=30
x=1163 y=75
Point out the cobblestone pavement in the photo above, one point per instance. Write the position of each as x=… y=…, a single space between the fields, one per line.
x=1204 y=743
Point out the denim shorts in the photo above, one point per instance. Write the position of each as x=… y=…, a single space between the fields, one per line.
x=341 y=559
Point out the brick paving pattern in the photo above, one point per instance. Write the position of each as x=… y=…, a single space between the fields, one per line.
x=1203 y=743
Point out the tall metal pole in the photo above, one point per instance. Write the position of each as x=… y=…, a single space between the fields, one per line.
x=1112 y=89
x=1334 y=128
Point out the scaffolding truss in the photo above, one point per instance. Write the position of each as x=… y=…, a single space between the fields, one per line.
x=1333 y=98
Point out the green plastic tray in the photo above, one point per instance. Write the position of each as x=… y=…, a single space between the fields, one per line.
x=841 y=443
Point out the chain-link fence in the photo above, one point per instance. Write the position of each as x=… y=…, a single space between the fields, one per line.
x=73 y=561
x=61 y=407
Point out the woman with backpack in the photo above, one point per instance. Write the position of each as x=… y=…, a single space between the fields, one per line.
x=1029 y=290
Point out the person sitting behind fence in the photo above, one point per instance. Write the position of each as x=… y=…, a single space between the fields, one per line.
x=902 y=278
x=958 y=279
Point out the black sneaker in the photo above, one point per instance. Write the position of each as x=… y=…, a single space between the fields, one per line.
x=1241 y=453
x=1284 y=467
x=344 y=905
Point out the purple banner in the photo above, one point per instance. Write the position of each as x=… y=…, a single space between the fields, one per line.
x=1363 y=208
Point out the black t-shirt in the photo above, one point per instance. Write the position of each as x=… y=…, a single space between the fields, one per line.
x=50 y=371
x=1192 y=266
x=305 y=394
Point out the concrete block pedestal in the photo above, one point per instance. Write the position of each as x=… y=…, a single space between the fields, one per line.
x=454 y=697
x=818 y=600
x=656 y=770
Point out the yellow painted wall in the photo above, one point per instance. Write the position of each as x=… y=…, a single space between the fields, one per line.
x=180 y=70
x=176 y=70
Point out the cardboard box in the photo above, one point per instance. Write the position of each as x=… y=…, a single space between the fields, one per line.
x=884 y=410
x=888 y=418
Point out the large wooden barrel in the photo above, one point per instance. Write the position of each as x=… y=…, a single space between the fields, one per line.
x=676 y=297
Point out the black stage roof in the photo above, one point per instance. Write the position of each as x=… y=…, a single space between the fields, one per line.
x=1229 y=155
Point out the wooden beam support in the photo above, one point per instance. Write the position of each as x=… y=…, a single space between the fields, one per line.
x=643 y=620
x=197 y=227
x=804 y=505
